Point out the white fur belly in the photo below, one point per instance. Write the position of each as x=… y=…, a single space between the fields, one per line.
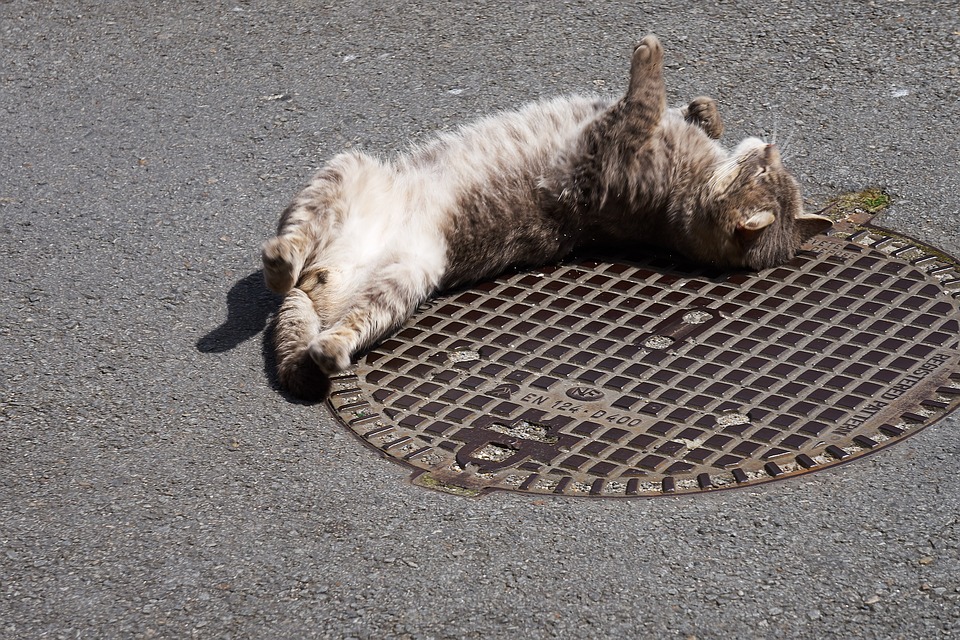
x=389 y=237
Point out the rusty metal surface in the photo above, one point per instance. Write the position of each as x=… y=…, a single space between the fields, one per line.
x=644 y=378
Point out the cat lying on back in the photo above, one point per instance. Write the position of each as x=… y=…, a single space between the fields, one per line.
x=367 y=240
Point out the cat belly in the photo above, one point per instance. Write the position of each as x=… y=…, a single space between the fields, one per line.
x=494 y=173
x=388 y=239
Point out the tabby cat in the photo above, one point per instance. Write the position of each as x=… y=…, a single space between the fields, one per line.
x=368 y=240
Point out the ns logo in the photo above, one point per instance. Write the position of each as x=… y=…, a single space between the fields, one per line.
x=584 y=394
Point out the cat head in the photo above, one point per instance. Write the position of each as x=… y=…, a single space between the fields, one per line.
x=757 y=206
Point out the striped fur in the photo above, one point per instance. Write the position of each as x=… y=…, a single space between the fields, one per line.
x=367 y=240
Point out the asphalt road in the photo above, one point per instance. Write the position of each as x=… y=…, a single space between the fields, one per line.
x=155 y=483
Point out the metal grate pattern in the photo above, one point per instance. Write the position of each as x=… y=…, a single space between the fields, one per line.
x=627 y=379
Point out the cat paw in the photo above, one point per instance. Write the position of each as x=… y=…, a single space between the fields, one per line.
x=303 y=378
x=649 y=51
x=330 y=354
x=703 y=112
x=646 y=73
x=280 y=257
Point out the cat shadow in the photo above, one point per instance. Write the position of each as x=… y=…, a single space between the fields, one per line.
x=249 y=307
x=665 y=263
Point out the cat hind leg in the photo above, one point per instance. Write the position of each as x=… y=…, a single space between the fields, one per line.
x=376 y=311
x=309 y=223
x=332 y=350
x=295 y=327
x=283 y=258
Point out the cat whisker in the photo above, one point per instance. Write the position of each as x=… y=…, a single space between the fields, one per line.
x=786 y=148
x=775 y=135
x=774 y=130
x=829 y=207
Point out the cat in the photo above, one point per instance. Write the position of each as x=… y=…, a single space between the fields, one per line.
x=368 y=240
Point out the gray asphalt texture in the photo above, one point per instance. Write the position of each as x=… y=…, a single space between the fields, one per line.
x=155 y=483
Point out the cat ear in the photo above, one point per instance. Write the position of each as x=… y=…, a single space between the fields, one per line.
x=757 y=221
x=809 y=225
x=748 y=228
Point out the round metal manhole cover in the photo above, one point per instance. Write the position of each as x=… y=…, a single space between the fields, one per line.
x=644 y=378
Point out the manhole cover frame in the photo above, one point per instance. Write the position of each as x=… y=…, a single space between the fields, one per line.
x=477 y=468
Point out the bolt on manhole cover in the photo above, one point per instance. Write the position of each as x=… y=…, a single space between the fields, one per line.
x=643 y=378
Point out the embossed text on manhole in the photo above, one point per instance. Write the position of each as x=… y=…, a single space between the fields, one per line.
x=643 y=378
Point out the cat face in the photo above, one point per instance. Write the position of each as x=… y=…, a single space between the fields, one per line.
x=759 y=209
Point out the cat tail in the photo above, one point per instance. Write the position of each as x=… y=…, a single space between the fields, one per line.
x=296 y=326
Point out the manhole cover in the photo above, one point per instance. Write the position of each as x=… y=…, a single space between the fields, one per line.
x=643 y=378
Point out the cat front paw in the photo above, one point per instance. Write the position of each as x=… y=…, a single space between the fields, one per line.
x=281 y=259
x=648 y=51
x=704 y=113
x=646 y=74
